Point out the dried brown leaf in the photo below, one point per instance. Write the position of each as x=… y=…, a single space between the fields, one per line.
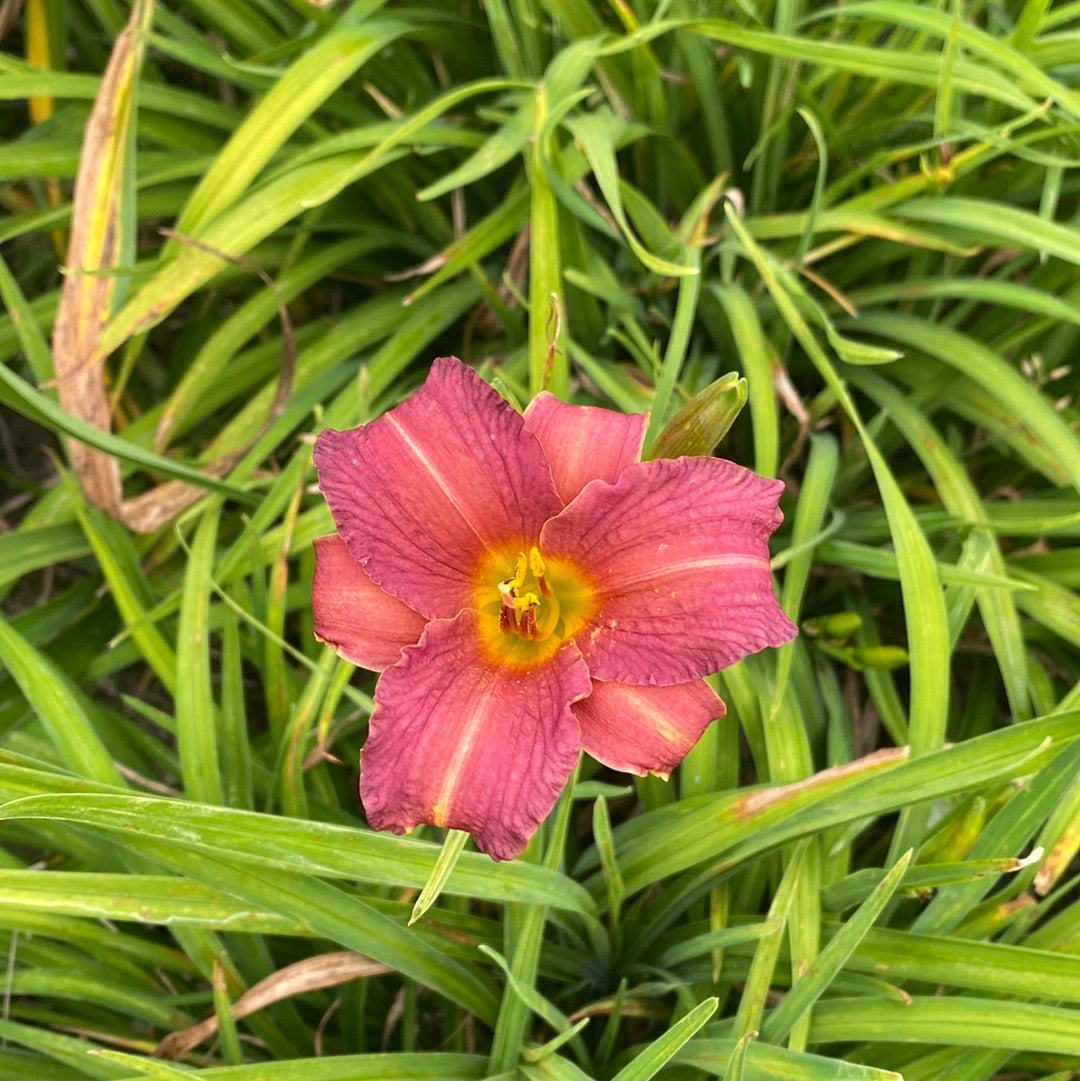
x=83 y=311
x=311 y=974
x=94 y=251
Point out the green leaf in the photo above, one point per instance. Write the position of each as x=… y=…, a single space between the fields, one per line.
x=816 y=979
x=658 y=1054
x=444 y=865
x=732 y=827
x=598 y=134
x=196 y=714
x=965 y=1022
x=989 y=371
x=293 y=845
x=58 y=706
x=764 y=1062
x=43 y=410
x=317 y=73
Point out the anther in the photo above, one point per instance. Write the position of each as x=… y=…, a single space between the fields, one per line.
x=536 y=565
x=520 y=570
x=529 y=612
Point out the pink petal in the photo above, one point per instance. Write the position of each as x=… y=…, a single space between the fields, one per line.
x=645 y=729
x=677 y=552
x=458 y=740
x=359 y=619
x=584 y=443
x=422 y=494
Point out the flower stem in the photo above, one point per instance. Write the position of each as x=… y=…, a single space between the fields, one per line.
x=678 y=343
x=548 y=363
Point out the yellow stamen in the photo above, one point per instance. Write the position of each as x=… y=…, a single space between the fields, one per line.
x=521 y=570
x=536 y=565
x=523 y=611
x=526 y=616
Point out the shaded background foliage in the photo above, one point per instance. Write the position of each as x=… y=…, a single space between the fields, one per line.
x=869 y=212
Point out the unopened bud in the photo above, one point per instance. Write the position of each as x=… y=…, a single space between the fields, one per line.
x=838 y=625
x=704 y=420
x=880 y=658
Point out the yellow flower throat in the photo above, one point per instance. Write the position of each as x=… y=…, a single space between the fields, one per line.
x=525 y=617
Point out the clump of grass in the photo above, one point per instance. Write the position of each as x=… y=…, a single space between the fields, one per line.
x=868 y=867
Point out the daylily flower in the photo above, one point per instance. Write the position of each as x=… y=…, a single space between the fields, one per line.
x=528 y=588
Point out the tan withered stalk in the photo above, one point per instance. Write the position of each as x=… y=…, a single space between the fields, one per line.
x=95 y=253
x=311 y=974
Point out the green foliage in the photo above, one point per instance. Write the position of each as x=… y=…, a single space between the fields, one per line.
x=867 y=869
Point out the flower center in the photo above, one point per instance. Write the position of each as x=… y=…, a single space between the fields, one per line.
x=526 y=614
x=529 y=607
